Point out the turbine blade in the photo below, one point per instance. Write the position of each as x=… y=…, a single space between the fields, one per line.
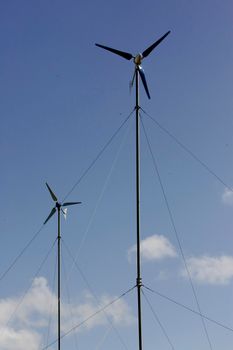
x=123 y=54
x=150 y=48
x=52 y=194
x=142 y=75
x=70 y=203
x=53 y=211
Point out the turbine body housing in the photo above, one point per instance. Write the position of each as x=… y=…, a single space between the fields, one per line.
x=138 y=59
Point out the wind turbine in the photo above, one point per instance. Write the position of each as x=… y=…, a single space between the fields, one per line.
x=138 y=71
x=58 y=207
x=137 y=59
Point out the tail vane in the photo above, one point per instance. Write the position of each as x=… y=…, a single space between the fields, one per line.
x=132 y=81
x=64 y=212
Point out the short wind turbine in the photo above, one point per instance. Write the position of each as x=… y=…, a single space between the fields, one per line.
x=58 y=207
x=138 y=71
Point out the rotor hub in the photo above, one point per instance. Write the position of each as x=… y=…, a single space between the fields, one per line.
x=138 y=59
x=58 y=205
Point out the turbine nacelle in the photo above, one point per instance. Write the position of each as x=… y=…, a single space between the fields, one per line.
x=137 y=59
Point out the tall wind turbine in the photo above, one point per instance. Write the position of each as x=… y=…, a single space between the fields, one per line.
x=58 y=207
x=138 y=71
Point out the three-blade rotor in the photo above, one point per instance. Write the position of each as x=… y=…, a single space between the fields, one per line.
x=58 y=206
x=137 y=59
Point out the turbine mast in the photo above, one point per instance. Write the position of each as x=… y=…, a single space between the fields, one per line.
x=59 y=276
x=139 y=279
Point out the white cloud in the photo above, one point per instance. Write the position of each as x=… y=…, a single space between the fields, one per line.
x=153 y=248
x=227 y=197
x=11 y=339
x=31 y=313
x=119 y=313
x=211 y=270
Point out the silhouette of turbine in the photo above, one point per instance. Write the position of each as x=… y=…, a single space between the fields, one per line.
x=58 y=206
x=138 y=72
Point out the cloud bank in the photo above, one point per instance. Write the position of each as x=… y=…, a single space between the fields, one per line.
x=227 y=197
x=154 y=247
x=30 y=316
x=211 y=270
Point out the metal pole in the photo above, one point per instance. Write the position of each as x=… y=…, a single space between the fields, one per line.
x=59 y=277
x=139 y=279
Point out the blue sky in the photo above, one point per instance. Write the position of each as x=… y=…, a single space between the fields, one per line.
x=62 y=100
